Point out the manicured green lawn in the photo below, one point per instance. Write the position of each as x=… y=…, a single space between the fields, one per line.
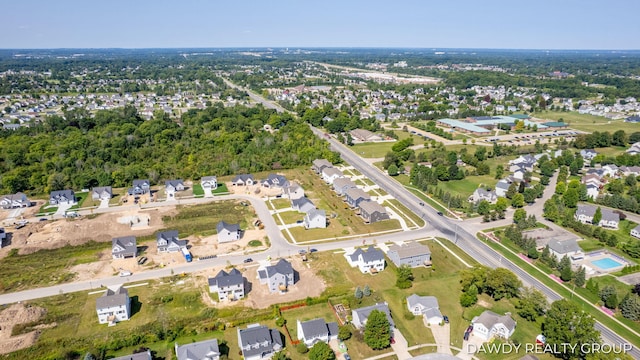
x=589 y=123
x=373 y=150
x=81 y=198
x=221 y=190
x=197 y=190
x=290 y=217
x=280 y=203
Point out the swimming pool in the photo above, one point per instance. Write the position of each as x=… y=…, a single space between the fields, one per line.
x=606 y=263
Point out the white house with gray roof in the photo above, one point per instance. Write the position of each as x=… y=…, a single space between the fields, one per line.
x=275 y=181
x=303 y=205
x=483 y=194
x=502 y=187
x=228 y=232
x=585 y=214
x=228 y=285
x=173 y=186
x=113 y=306
x=102 y=193
x=320 y=164
x=635 y=232
x=124 y=247
x=490 y=324
x=201 y=350
x=168 y=241
x=312 y=331
x=278 y=277
x=140 y=187
x=209 y=182
x=14 y=201
x=293 y=191
x=259 y=342
x=427 y=306
x=62 y=197
x=413 y=254
x=568 y=247
x=359 y=316
x=329 y=174
x=315 y=219
x=243 y=180
x=370 y=260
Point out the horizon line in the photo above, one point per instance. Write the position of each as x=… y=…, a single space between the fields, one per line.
x=314 y=47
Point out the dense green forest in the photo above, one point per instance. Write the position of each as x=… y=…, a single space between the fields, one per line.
x=114 y=147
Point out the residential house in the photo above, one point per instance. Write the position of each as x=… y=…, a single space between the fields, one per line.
x=62 y=197
x=373 y=212
x=201 y=350
x=519 y=167
x=519 y=174
x=483 y=194
x=341 y=185
x=568 y=247
x=113 y=306
x=370 y=260
x=228 y=232
x=365 y=135
x=330 y=174
x=145 y=355
x=124 y=247
x=315 y=219
x=278 y=277
x=635 y=232
x=173 y=186
x=209 y=182
x=312 y=331
x=632 y=119
x=502 y=187
x=168 y=241
x=610 y=170
x=593 y=179
x=528 y=161
x=140 y=187
x=413 y=254
x=303 y=205
x=228 y=285
x=293 y=191
x=275 y=181
x=320 y=164
x=3 y=237
x=243 y=180
x=102 y=193
x=259 y=342
x=355 y=196
x=588 y=154
x=490 y=324
x=634 y=149
x=359 y=316
x=14 y=201
x=427 y=306
x=585 y=213
x=593 y=191
x=630 y=170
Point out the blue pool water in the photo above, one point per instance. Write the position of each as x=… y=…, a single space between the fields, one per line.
x=606 y=263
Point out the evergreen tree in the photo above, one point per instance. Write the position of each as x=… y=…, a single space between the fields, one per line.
x=358 y=293
x=377 y=332
x=597 y=216
x=580 y=277
x=321 y=351
x=630 y=307
x=366 y=291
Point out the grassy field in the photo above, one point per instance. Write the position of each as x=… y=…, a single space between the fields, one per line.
x=586 y=122
x=280 y=204
x=343 y=221
x=45 y=267
x=380 y=149
x=202 y=219
x=81 y=198
x=221 y=189
x=410 y=217
x=198 y=191
x=290 y=217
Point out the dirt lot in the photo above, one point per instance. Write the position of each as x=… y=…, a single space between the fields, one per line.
x=12 y=316
x=258 y=295
x=24 y=213
x=255 y=190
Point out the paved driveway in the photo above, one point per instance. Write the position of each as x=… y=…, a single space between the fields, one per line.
x=442 y=337
x=400 y=346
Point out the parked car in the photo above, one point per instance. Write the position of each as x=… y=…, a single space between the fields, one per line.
x=392 y=340
x=43 y=219
x=125 y=273
x=466 y=336
x=313 y=250
x=440 y=213
x=445 y=318
x=248 y=260
x=142 y=260
x=302 y=252
x=347 y=357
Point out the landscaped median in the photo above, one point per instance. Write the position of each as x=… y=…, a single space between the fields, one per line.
x=612 y=323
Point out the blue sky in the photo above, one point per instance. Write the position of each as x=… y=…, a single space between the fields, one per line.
x=540 y=24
